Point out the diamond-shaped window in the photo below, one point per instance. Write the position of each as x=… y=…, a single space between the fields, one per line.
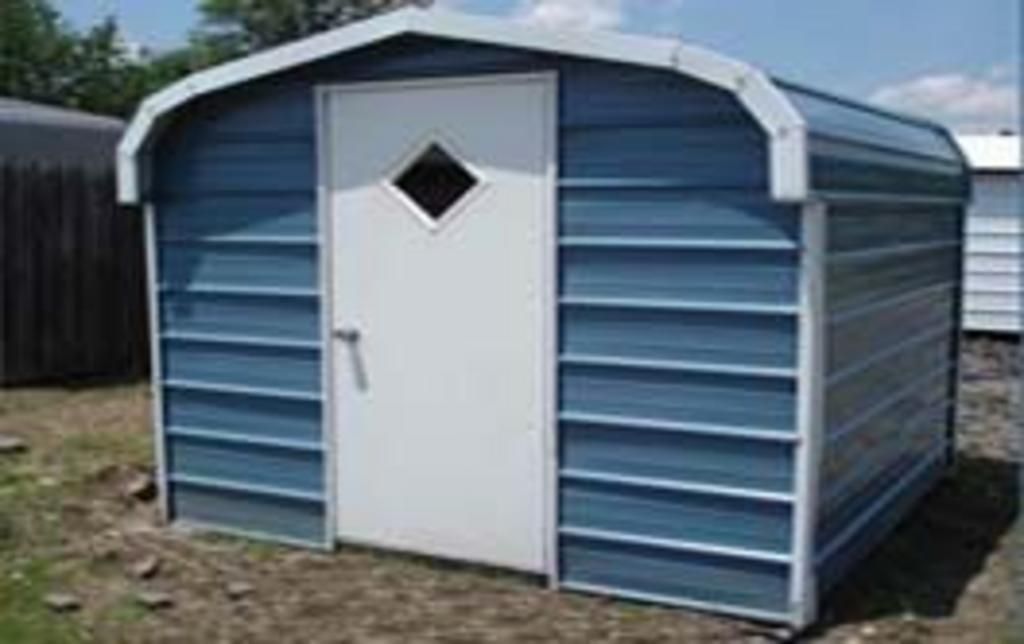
x=435 y=181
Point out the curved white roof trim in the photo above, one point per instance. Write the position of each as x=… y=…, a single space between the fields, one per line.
x=766 y=103
x=993 y=152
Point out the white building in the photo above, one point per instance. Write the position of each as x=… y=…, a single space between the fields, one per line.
x=995 y=235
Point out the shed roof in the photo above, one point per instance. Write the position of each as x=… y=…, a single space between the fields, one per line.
x=993 y=152
x=36 y=133
x=789 y=115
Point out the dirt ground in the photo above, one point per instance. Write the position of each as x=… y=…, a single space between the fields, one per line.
x=68 y=526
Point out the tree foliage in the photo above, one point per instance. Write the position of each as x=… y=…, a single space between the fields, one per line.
x=244 y=26
x=35 y=50
x=43 y=59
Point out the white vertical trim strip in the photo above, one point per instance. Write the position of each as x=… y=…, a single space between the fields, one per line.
x=810 y=412
x=551 y=332
x=325 y=247
x=156 y=363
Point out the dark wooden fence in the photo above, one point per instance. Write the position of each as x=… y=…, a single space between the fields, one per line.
x=72 y=278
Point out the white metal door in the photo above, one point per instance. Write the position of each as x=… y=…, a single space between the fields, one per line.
x=440 y=197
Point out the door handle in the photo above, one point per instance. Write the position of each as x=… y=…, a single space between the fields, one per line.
x=348 y=335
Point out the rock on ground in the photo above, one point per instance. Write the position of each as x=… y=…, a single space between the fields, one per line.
x=11 y=444
x=141 y=488
x=146 y=568
x=62 y=602
x=154 y=599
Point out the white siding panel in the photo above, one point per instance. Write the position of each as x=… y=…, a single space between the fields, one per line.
x=995 y=252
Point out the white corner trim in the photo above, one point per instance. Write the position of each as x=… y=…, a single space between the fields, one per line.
x=777 y=116
x=155 y=364
x=787 y=133
x=325 y=268
x=756 y=91
x=551 y=336
x=811 y=348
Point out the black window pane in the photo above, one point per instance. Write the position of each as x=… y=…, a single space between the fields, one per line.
x=435 y=181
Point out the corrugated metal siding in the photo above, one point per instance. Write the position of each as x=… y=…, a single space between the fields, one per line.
x=676 y=445
x=995 y=254
x=895 y=189
x=239 y=311
x=859 y=152
x=678 y=290
x=892 y=283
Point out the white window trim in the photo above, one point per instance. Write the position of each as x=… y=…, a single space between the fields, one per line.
x=404 y=162
x=811 y=349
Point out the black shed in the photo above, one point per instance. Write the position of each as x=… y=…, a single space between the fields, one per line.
x=72 y=265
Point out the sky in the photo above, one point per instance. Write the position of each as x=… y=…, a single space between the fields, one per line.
x=958 y=61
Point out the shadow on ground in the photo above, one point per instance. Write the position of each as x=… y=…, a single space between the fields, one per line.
x=927 y=565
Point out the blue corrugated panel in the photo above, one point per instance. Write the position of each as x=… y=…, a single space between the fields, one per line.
x=237 y=218
x=858 y=151
x=257 y=417
x=248 y=511
x=870 y=269
x=678 y=341
x=654 y=571
x=678 y=322
x=702 y=456
x=892 y=280
x=240 y=317
x=213 y=360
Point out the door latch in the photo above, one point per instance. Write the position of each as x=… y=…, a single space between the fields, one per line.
x=348 y=335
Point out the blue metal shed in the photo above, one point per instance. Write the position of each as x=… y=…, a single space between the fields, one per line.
x=618 y=311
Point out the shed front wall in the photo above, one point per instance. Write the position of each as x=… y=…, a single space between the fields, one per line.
x=677 y=307
x=995 y=242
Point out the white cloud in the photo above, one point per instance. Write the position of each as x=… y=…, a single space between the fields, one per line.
x=979 y=103
x=573 y=14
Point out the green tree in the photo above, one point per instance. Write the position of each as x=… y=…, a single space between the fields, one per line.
x=42 y=59
x=102 y=76
x=36 y=51
x=107 y=80
x=243 y=26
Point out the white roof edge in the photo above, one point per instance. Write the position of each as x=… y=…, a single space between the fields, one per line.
x=755 y=90
x=993 y=152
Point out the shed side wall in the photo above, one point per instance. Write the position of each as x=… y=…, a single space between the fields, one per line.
x=895 y=188
x=995 y=243
x=677 y=310
x=892 y=300
x=861 y=153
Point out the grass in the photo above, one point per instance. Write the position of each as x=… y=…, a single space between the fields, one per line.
x=23 y=615
x=75 y=438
